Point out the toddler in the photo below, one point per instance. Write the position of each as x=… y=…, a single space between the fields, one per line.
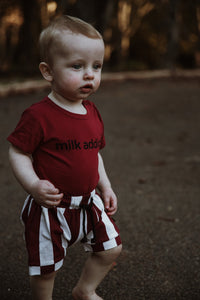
x=54 y=154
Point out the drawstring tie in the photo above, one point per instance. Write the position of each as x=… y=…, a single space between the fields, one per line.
x=88 y=207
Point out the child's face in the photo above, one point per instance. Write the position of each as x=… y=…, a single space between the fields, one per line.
x=76 y=67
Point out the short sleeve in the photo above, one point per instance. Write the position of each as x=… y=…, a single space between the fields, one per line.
x=28 y=132
x=103 y=141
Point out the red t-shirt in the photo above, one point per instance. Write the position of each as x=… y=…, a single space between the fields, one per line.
x=64 y=145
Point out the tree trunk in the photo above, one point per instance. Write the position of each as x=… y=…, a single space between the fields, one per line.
x=173 y=35
x=26 y=55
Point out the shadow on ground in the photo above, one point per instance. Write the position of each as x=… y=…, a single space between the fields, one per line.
x=153 y=159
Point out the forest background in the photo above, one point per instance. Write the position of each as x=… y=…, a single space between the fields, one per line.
x=138 y=34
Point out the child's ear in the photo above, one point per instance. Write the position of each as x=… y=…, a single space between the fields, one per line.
x=46 y=71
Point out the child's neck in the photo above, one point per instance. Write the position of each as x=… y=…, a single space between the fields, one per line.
x=74 y=107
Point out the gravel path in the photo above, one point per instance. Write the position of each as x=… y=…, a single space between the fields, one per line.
x=153 y=159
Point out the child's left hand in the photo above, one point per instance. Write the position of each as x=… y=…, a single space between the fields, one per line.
x=110 y=200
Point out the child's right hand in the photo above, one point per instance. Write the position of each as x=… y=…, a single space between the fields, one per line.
x=45 y=193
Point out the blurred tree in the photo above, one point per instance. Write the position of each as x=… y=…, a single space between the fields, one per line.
x=189 y=33
x=167 y=36
x=26 y=54
x=95 y=12
x=128 y=17
x=197 y=51
x=138 y=34
x=173 y=34
x=10 y=22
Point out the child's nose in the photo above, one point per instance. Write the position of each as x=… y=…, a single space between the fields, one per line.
x=89 y=74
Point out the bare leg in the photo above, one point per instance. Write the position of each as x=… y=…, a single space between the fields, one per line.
x=95 y=269
x=42 y=286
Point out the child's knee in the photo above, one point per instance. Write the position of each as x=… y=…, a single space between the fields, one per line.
x=108 y=256
x=49 y=276
x=115 y=252
x=42 y=278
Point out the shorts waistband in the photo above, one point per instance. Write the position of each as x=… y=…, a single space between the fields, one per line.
x=84 y=202
x=75 y=202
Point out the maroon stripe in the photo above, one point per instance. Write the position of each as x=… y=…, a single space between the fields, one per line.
x=118 y=240
x=32 y=227
x=47 y=269
x=85 y=199
x=95 y=213
x=72 y=217
x=100 y=227
x=114 y=224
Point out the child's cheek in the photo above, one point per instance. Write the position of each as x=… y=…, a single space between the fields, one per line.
x=97 y=83
x=74 y=80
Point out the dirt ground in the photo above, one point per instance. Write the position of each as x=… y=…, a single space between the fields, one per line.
x=153 y=160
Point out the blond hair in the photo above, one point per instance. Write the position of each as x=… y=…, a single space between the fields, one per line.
x=63 y=23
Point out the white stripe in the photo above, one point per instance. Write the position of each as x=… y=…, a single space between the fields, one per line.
x=37 y=270
x=58 y=265
x=75 y=201
x=25 y=203
x=93 y=193
x=34 y=271
x=24 y=206
x=66 y=236
x=110 y=229
x=80 y=235
x=30 y=205
x=45 y=242
x=98 y=202
x=110 y=244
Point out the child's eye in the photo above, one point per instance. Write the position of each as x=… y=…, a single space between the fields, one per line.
x=76 y=66
x=97 y=66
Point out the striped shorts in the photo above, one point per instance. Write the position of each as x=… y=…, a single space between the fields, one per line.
x=49 y=232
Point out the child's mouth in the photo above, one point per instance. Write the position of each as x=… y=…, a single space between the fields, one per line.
x=86 y=88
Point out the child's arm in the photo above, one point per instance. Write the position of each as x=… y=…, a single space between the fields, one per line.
x=43 y=191
x=104 y=185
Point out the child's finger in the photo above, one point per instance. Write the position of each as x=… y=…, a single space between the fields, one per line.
x=55 y=197
x=106 y=204
x=53 y=201
x=54 y=191
x=50 y=188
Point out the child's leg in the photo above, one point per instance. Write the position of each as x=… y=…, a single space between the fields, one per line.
x=95 y=269
x=42 y=286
